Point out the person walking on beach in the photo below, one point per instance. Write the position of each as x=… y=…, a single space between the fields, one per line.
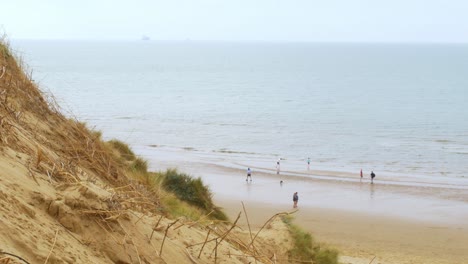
x=249 y=174
x=361 y=174
x=278 y=166
x=295 y=199
x=308 y=163
x=372 y=175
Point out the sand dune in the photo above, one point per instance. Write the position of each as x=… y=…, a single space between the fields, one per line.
x=66 y=198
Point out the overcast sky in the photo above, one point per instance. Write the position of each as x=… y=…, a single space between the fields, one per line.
x=239 y=20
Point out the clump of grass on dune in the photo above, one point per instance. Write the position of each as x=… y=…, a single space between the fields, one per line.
x=180 y=193
x=139 y=165
x=193 y=191
x=123 y=149
x=4 y=51
x=4 y=47
x=305 y=249
x=176 y=207
x=128 y=157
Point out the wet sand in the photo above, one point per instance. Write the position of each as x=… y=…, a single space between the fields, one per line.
x=359 y=236
x=410 y=220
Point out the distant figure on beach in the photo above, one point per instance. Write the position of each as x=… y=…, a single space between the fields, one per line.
x=281 y=182
x=361 y=174
x=249 y=174
x=308 y=163
x=278 y=166
x=372 y=175
x=295 y=199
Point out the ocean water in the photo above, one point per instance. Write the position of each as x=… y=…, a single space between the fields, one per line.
x=399 y=109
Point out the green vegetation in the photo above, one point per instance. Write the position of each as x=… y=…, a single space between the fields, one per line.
x=4 y=51
x=179 y=193
x=305 y=249
x=176 y=207
x=123 y=149
x=193 y=191
x=139 y=165
x=4 y=47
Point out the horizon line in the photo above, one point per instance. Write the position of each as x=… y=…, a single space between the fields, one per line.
x=241 y=41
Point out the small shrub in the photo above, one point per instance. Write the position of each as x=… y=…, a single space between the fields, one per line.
x=188 y=189
x=191 y=190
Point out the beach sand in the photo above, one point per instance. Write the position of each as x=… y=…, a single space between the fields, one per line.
x=412 y=220
x=361 y=237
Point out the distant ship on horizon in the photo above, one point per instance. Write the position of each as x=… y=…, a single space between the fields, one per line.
x=144 y=37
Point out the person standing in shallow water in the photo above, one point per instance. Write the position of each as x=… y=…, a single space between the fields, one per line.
x=372 y=175
x=361 y=174
x=308 y=163
x=278 y=166
x=249 y=174
x=295 y=199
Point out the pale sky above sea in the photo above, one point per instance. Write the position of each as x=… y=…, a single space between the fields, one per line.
x=239 y=20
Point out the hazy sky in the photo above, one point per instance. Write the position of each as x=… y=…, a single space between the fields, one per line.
x=239 y=20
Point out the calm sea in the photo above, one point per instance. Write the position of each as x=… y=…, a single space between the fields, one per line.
x=395 y=108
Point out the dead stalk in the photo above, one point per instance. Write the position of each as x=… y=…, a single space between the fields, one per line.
x=33 y=176
x=50 y=252
x=3 y=72
x=13 y=255
x=202 y=217
x=248 y=224
x=141 y=217
x=207 y=235
x=136 y=249
x=267 y=222
x=165 y=234
x=216 y=250
x=154 y=228
x=190 y=256
x=227 y=232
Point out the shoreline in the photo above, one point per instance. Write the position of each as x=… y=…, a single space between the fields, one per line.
x=397 y=223
x=295 y=168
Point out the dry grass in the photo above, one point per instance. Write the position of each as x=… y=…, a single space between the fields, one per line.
x=63 y=151
x=62 y=148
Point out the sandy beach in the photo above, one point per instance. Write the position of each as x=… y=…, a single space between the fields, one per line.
x=410 y=220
